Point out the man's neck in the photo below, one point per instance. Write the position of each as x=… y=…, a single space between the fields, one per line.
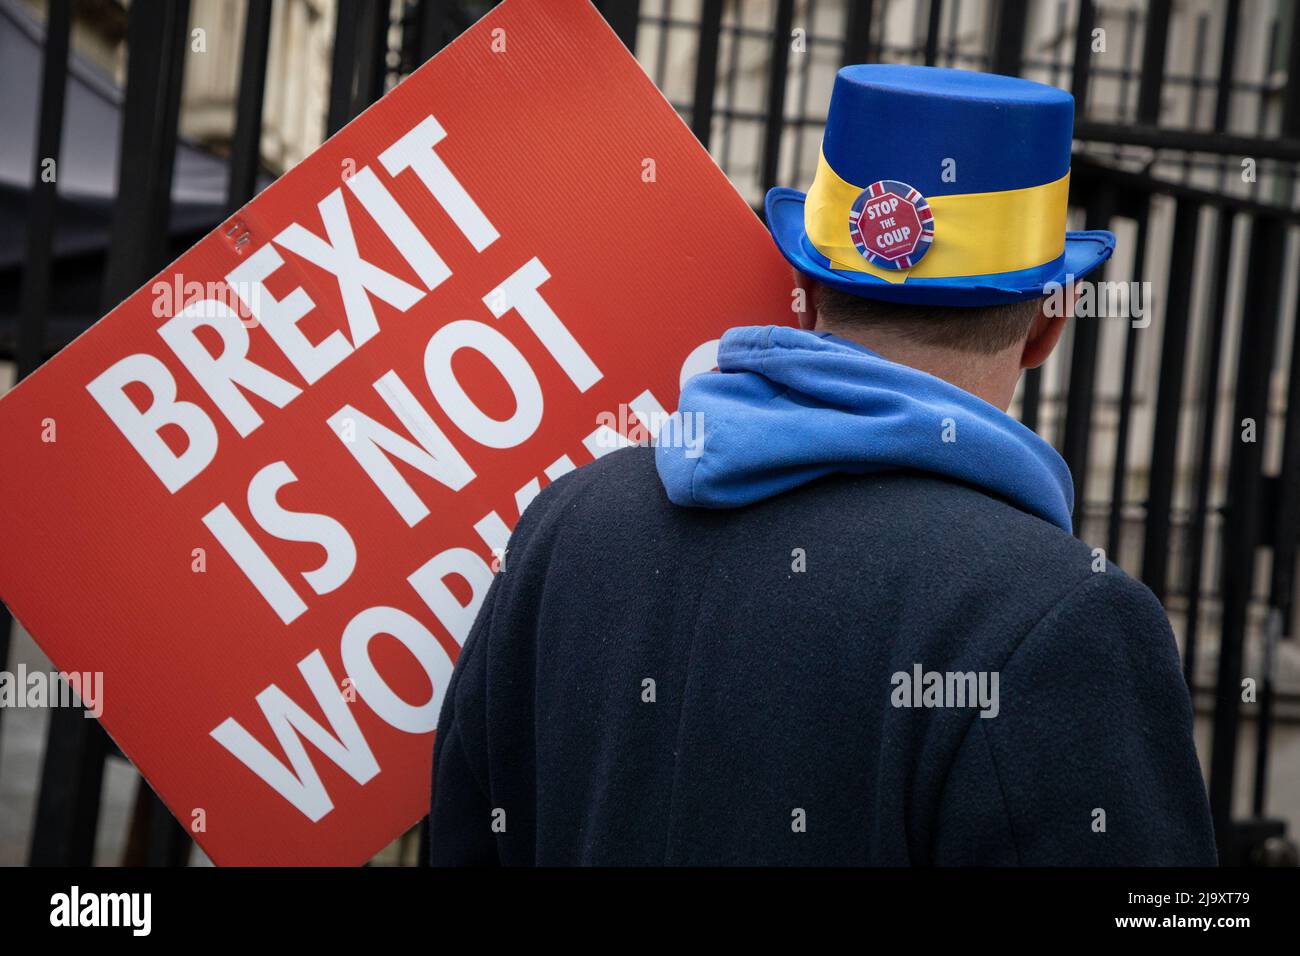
x=990 y=377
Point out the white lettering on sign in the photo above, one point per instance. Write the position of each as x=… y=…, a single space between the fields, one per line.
x=342 y=743
x=432 y=452
x=507 y=360
x=882 y=208
x=219 y=375
x=894 y=237
x=413 y=452
x=430 y=582
x=414 y=151
x=280 y=317
x=358 y=279
x=519 y=294
x=373 y=689
x=142 y=427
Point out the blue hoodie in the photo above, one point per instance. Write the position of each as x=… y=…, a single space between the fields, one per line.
x=775 y=637
x=788 y=406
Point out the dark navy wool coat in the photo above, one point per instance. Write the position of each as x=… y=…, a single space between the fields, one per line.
x=651 y=684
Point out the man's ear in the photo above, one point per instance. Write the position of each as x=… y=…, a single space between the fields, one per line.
x=808 y=299
x=1044 y=332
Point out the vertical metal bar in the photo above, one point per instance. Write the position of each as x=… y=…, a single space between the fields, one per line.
x=932 y=32
x=138 y=246
x=1082 y=56
x=358 y=64
x=343 y=59
x=1227 y=63
x=433 y=19
x=38 y=258
x=1264 y=722
x=1209 y=404
x=169 y=842
x=1223 y=97
x=805 y=84
x=424 y=850
x=67 y=804
x=1194 y=99
x=778 y=67
x=1031 y=396
x=954 y=20
x=661 y=52
x=1286 y=524
x=1155 y=42
x=1169 y=395
x=1126 y=70
x=1286 y=519
x=6 y=634
x=72 y=774
x=706 y=70
x=1291 y=99
x=623 y=17
x=1132 y=339
x=1009 y=37
x=1062 y=11
x=733 y=72
x=857 y=32
x=1264 y=92
x=159 y=171
x=154 y=836
x=1083 y=374
x=1197 y=79
x=245 y=147
x=1241 y=516
x=372 y=64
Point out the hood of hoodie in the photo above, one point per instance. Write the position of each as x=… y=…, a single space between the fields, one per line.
x=787 y=406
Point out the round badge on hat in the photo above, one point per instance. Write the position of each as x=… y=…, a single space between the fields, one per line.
x=891 y=224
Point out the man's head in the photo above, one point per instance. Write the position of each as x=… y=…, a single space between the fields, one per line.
x=947 y=190
x=979 y=348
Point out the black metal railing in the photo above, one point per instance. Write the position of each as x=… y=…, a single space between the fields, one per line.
x=1134 y=164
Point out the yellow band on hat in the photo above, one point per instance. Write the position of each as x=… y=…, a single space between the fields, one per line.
x=974 y=233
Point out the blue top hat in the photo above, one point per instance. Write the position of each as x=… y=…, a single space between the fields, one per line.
x=939 y=187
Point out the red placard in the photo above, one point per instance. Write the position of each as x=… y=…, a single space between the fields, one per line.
x=262 y=497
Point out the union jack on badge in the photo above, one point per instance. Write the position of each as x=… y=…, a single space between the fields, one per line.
x=891 y=224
